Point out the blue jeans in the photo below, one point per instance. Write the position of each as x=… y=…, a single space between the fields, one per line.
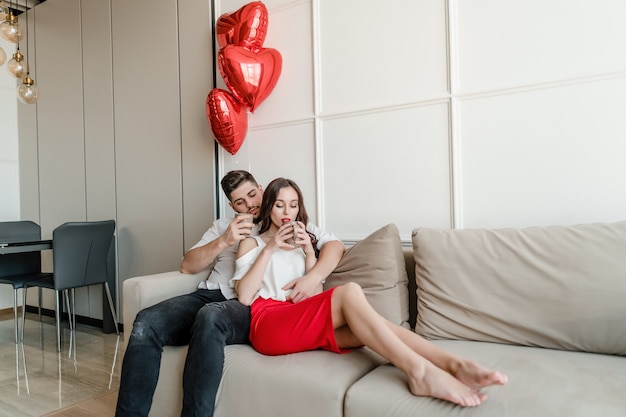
x=202 y=319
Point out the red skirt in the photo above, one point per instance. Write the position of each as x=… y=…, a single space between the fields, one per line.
x=281 y=327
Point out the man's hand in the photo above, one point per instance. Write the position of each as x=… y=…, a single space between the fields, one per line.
x=199 y=258
x=303 y=288
x=238 y=229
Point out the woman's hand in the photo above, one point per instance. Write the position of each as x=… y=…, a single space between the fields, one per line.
x=279 y=241
x=303 y=239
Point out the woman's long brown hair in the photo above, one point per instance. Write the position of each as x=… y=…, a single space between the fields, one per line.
x=269 y=198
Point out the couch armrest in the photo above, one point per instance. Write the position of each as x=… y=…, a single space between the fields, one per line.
x=145 y=291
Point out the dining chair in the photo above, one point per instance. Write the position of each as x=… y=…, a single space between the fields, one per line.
x=79 y=259
x=16 y=269
x=19 y=268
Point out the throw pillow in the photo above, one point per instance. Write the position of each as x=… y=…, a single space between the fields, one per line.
x=376 y=263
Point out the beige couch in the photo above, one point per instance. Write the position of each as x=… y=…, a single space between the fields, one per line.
x=545 y=305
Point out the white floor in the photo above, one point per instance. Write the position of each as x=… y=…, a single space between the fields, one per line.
x=54 y=380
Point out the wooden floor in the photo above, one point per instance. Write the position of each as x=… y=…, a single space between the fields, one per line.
x=100 y=406
x=56 y=384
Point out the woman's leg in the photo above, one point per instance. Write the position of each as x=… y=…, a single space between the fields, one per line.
x=366 y=327
x=468 y=372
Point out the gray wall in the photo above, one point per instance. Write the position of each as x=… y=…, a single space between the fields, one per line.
x=120 y=130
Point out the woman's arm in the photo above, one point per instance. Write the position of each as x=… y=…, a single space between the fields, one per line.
x=311 y=283
x=250 y=283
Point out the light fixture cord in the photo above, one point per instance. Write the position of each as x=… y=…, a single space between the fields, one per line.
x=27 y=48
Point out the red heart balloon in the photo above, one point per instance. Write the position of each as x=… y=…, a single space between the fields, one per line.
x=250 y=76
x=228 y=120
x=247 y=27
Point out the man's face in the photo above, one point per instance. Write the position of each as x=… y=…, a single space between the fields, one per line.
x=247 y=199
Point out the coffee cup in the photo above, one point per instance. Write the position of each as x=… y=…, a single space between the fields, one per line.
x=292 y=239
x=247 y=217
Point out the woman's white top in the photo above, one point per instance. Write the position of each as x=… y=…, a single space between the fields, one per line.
x=283 y=267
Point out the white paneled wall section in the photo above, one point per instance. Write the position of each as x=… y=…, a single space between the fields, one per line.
x=444 y=113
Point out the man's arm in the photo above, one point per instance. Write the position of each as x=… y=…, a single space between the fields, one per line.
x=196 y=259
x=310 y=283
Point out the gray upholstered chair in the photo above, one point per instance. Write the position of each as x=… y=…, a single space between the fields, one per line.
x=79 y=256
x=16 y=269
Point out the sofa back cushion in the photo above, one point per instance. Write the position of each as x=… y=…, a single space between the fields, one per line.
x=376 y=263
x=560 y=287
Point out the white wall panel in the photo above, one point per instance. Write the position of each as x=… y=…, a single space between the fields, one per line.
x=284 y=151
x=289 y=32
x=198 y=146
x=147 y=136
x=99 y=130
x=98 y=109
x=9 y=189
x=8 y=112
x=508 y=43
x=378 y=54
x=549 y=156
x=60 y=115
x=387 y=167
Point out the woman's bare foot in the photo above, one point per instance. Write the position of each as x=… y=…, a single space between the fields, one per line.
x=476 y=376
x=431 y=381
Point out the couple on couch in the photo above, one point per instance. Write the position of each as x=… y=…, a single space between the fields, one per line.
x=274 y=285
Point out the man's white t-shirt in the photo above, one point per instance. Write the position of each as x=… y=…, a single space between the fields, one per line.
x=224 y=269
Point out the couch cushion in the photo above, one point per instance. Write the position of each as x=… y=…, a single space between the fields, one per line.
x=305 y=384
x=558 y=287
x=542 y=382
x=376 y=263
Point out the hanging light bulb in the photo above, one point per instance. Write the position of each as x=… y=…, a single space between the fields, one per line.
x=3 y=57
x=17 y=65
x=4 y=10
x=11 y=29
x=28 y=92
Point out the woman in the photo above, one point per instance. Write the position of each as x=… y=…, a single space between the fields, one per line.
x=337 y=319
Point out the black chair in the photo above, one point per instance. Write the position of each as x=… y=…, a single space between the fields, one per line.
x=16 y=269
x=19 y=268
x=80 y=252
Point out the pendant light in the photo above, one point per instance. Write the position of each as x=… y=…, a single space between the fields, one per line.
x=28 y=92
x=10 y=28
x=4 y=11
x=17 y=65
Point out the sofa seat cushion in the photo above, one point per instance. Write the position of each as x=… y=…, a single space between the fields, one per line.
x=560 y=287
x=542 y=382
x=306 y=384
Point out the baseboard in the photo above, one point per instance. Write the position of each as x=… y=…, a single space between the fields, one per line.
x=90 y=321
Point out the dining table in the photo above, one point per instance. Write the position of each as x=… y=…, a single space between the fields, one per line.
x=24 y=246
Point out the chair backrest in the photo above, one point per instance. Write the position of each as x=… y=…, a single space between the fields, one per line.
x=20 y=263
x=80 y=251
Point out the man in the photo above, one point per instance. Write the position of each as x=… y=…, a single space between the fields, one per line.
x=211 y=317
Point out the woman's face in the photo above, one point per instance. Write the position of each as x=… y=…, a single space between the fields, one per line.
x=286 y=206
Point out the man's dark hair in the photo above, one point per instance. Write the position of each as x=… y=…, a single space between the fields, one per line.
x=234 y=179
